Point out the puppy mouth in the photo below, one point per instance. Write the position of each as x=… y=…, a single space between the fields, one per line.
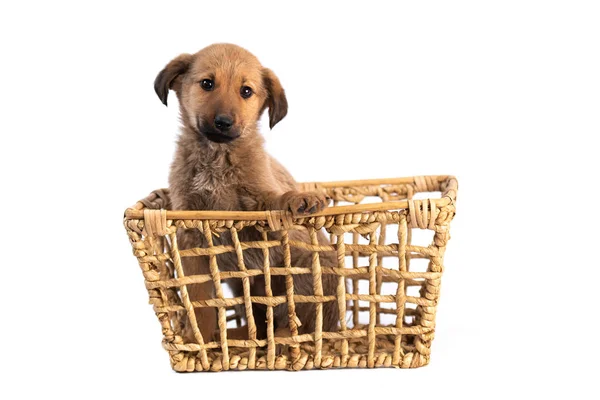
x=218 y=137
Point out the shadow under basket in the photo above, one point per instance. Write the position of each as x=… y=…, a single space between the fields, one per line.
x=388 y=238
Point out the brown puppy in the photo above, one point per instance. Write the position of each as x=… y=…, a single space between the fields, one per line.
x=221 y=164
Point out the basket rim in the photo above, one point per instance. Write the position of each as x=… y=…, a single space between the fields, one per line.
x=448 y=197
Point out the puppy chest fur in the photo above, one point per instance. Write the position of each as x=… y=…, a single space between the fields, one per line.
x=204 y=179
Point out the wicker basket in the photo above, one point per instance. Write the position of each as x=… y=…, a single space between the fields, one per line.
x=389 y=253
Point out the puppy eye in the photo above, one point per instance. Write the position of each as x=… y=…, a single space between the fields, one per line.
x=207 y=84
x=246 y=92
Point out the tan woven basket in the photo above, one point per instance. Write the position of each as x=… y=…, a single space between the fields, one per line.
x=389 y=252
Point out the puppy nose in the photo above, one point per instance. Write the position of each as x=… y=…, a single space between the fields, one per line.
x=223 y=123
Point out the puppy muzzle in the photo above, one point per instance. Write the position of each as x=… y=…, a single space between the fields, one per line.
x=216 y=136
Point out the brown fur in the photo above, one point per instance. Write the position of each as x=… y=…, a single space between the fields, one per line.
x=238 y=175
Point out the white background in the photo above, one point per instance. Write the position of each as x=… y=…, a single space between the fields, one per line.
x=504 y=95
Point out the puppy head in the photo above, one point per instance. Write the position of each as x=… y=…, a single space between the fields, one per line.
x=222 y=91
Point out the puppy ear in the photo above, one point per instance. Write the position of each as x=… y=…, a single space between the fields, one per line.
x=276 y=100
x=169 y=77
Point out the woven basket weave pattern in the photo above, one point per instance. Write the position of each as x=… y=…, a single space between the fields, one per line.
x=388 y=286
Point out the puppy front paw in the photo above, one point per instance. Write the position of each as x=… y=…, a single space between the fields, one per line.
x=304 y=203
